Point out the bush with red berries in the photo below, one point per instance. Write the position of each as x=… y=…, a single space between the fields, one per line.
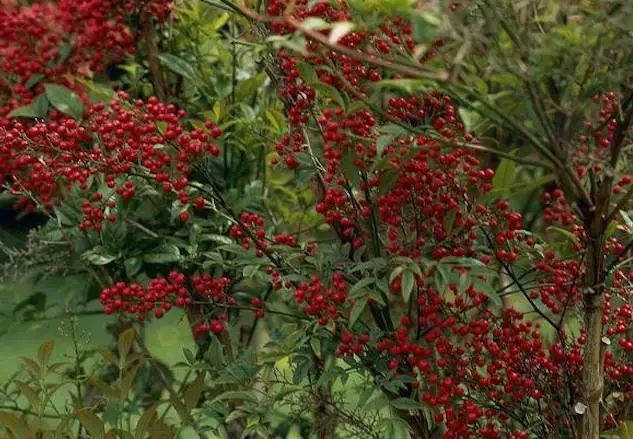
x=404 y=218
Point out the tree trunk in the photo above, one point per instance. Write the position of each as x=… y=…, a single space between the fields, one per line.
x=156 y=73
x=592 y=376
x=593 y=373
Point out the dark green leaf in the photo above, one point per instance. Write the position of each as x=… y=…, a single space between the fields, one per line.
x=406 y=404
x=166 y=253
x=357 y=310
x=34 y=79
x=248 y=87
x=350 y=171
x=178 y=65
x=98 y=256
x=65 y=100
x=132 y=266
x=360 y=285
x=37 y=108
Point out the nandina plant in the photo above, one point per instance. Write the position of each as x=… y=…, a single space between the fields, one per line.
x=455 y=260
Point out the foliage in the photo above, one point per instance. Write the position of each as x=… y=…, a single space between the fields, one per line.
x=380 y=219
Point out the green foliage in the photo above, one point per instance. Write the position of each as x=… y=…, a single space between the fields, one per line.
x=280 y=377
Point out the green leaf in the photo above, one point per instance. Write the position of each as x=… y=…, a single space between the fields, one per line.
x=34 y=79
x=395 y=427
x=248 y=87
x=566 y=233
x=25 y=111
x=382 y=142
x=426 y=26
x=492 y=295
x=221 y=239
x=163 y=254
x=315 y=23
x=237 y=395
x=45 y=351
x=357 y=310
x=360 y=285
x=98 y=256
x=395 y=130
x=327 y=91
x=395 y=273
x=408 y=282
x=504 y=175
x=307 y=72
x=406 y=404
x=276 y=119
x=339 y=30
x=126 y=339
x=470 y=118
x=98 y=92
x=349 y=169
x=387 y=181
x=40 y=104
x=14 y=424
x=193 y=392
x=377 y=403
x=37 y=108
x=178 y=65
x=132 y=267
x=91 y=422
x=30 y=394
x=65 y=100
x=250 y=270
x=627 y=220
x=626 y=430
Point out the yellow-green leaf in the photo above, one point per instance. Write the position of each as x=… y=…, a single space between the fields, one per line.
x=91 y=422
x=45 y=351
x=125 y=342
x=144 y=422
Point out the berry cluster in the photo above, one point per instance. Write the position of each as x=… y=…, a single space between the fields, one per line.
x=422 y=193
x=126 y=144
x=56 y=40
x=319 y=301
x=158 y=296
x=163 y=293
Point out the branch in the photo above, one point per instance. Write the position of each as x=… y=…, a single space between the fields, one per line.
x=149 y=35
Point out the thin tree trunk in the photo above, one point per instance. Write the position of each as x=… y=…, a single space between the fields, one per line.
x=593 y=375
x=156 y=73
x=593 y=295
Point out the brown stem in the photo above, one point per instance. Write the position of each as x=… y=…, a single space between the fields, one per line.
x=149 y=35
x=593 y=371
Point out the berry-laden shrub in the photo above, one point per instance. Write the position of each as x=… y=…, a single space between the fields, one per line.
x=59 y=41
x=432 y=275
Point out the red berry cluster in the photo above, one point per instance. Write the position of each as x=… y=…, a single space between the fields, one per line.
x=319 y=300
x=158 y=296
x=251 y=226
x=117 y=142
x=59 y=39
x=162 y=293
x=425 y=196
x=352 y=344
